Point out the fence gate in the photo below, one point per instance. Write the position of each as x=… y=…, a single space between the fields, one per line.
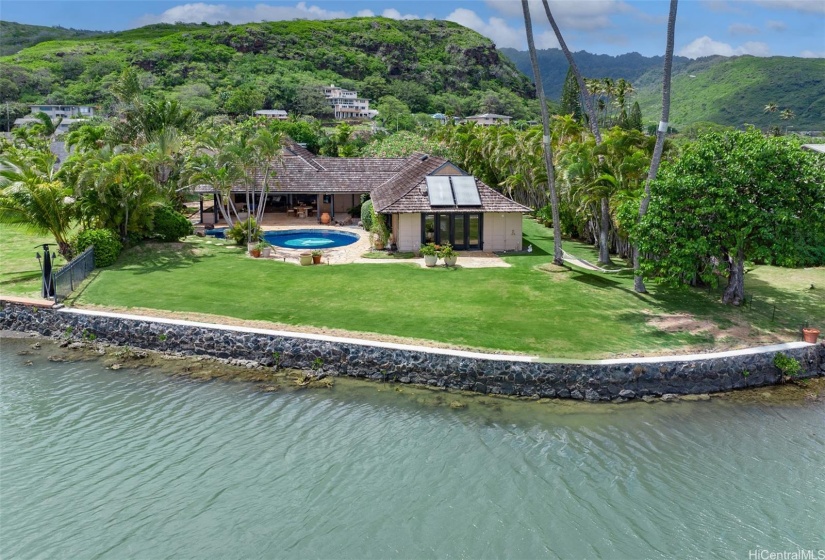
x=71 y=275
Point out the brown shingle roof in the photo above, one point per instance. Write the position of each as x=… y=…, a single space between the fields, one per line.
x=406 y=192
x=397 y=185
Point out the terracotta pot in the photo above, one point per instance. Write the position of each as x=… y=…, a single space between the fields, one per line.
x=255 y=253
x=306 y=259
x=379 y=245
x=325 y=218
x=810 y=335
x=316 y=259
x=430 y=260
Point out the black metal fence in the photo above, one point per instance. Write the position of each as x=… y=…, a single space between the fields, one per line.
x=70 y=276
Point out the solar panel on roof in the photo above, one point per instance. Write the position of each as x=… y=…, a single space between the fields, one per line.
x=466 y=191
x=439 y=192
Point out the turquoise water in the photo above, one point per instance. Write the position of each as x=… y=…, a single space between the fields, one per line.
x=310 y=238
x=97 y=463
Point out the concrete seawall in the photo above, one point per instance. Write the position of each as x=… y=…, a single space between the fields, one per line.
x=527 y=376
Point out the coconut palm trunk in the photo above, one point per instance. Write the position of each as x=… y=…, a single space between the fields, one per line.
x=558 y=257
x=604 y=249
x=638 y=282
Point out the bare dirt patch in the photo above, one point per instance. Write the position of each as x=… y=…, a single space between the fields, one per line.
x=740 y=335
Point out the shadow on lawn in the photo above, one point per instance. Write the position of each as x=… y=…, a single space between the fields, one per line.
x=144 y=260
x=16 y=277
x=785 y=308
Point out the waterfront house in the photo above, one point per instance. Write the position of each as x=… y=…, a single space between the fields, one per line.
x=423 y=198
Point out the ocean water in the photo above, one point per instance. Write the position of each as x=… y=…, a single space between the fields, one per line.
x=96 y=463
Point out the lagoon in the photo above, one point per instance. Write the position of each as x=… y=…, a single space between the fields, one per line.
x=96 y=463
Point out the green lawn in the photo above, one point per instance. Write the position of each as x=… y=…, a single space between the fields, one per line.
x=19 y=270
x=532 y=307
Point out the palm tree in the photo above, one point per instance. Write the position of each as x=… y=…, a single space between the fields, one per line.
x=604 y=252
x=638 y=281
x=787 y=114
x=594 y=126
x=32 y=197
x=771 y=108
x=45 y=126
x=558 y=256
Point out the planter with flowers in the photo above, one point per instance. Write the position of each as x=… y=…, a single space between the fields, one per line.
x=447 y=253
x=430 y=254
x=316 y=256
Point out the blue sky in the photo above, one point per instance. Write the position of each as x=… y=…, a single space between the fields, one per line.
x=704 y=27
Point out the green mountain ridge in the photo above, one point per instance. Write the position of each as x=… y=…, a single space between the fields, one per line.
x=731 y=91
x=430 y=65
x=17 y=36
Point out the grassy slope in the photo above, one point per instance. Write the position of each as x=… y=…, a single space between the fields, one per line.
x=522 y=309
x=441 y=56
x=728 y=91
x=19 y=269
x=734 y=91
x=17 y=36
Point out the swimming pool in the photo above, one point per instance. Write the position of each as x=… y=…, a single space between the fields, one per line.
x=217 y=233
x=310 y=238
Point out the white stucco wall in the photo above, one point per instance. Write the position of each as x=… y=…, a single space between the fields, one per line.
x=409 y=232
x=502 y=232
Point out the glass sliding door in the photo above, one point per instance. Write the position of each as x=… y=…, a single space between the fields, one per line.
x=443 y=228
x=474 y=231
x=428 y=228
x=459 y=231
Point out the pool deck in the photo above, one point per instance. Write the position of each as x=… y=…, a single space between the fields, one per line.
x=352 y=253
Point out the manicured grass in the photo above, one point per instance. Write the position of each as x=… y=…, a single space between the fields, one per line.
x=388 y=255
x=531 y=307
x=20 y=273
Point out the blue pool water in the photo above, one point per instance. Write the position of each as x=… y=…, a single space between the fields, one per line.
x=310 y=238
x=217 y=233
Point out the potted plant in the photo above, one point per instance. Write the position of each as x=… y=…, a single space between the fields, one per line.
x=255 y=251
x=430 y=254
x=449 y=255
x=316 y=256
x=305 y=258
x=265 y=248
x=810 y=334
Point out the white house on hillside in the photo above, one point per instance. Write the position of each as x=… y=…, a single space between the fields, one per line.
x=347 y=105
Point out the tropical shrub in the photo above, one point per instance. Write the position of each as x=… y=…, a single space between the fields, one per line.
x=169 y=225
x=106 y=242
x=239 y=233
x=366 y=215
x=428 y=250
x=787 y=365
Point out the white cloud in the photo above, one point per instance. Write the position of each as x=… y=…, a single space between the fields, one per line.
x=776 y=25
x=392 y=13
x=582 y=15
x=365 y=13
x=805 y=6
x=705 y=46
x=742 y=29
x=212 y=13
x=496 y=29
x=812 y=54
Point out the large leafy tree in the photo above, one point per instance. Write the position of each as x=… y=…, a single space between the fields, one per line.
x=32 y=197
x=733 y=197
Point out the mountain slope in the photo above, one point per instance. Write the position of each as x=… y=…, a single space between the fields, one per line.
x=735 y=91
x=415 y=60
x=730 y=91
x=17 y=36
